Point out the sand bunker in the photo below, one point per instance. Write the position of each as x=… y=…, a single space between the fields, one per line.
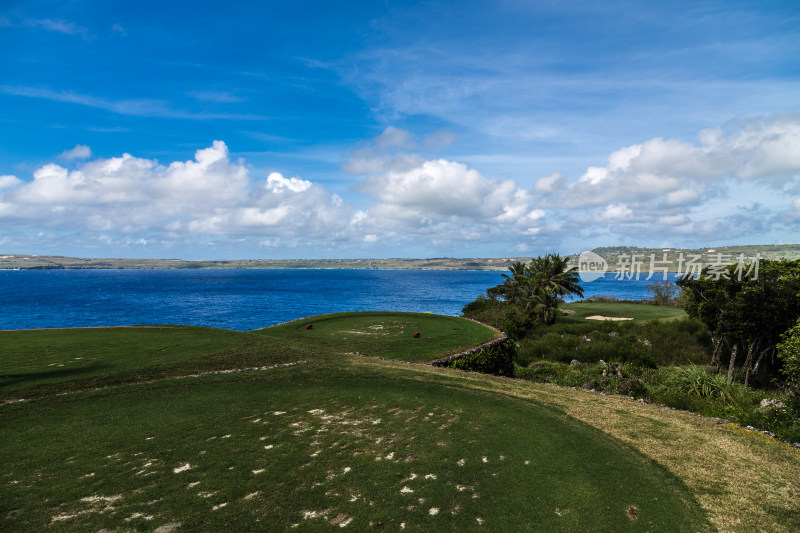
x=601 y=317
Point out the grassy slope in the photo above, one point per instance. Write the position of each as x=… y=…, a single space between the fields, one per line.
x=387 y=334
x=43 y=357
x=337 y=415
x=616 y=309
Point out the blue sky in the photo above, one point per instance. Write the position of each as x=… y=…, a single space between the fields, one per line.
x=387 y=129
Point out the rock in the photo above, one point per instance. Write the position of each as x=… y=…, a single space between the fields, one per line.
x=586 y=339
x=613 y=334
x=575 y=362
x=589 y=386
x=168 y=528
x=647 y=342
x=612 y=371
x=769 y=402
x=601 y=362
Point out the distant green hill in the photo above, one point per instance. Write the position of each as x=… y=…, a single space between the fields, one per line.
x=611 y=254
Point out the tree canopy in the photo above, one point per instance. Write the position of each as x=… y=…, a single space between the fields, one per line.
x=748 y=313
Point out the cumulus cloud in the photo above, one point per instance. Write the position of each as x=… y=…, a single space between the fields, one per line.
x=7 y=182
x=659 y=189
x=448 y=188
x=679 y=174
x=435 y=199
x=449 y=201
x=209 y=195
x=615 y=213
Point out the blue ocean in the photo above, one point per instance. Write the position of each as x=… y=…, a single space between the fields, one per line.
x=242 y=299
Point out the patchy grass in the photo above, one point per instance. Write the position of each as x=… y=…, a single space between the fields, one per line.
x=324 y=443
x=620 y=310
x=324 y=440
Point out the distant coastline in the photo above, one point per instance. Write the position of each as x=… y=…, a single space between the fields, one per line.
x=668 y=258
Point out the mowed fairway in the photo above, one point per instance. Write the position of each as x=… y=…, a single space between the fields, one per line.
x=309 y=437
x=386 y=334
x=620 y=310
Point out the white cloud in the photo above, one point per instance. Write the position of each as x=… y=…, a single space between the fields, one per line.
x=79 y=152
x=6 y=182
x=677 y=174
x=680 y=191
x=209 y=195
x=447 y=202
x=277 y=183
x=616 y=213
x=448 y=188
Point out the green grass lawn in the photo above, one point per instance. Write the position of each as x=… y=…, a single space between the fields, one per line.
x=386 y=334
x=57 y=355
x=313 y=438
x=615 y=309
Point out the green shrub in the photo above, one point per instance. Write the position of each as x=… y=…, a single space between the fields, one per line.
x=497 y=359
x=789 y=354
x=695 y=381
x=690 y=388
x=650 y=344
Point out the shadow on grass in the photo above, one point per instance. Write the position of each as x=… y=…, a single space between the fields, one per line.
x=61 y=374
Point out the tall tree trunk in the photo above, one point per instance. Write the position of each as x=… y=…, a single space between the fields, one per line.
x=748 y=362
x=732 y=364
x=760 y=357
x=720 y=344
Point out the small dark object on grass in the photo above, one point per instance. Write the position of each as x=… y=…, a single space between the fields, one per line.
x=416 y=335
x=309 y=326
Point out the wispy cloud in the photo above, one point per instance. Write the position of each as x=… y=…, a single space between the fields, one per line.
x=62 y=26
x=216 y=96
x=142 y=107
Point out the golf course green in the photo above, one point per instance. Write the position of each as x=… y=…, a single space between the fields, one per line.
x=177 y=428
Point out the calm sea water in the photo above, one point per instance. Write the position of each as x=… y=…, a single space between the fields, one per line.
x=241 y=299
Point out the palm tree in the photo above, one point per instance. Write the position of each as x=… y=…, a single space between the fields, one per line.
x=539 y=287
x=554 y=279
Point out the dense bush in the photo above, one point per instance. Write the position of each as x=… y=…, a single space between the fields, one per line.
x=690 y=388
x=499 y=314
x=650 y=344
x=789 y=354
x=497 y=359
